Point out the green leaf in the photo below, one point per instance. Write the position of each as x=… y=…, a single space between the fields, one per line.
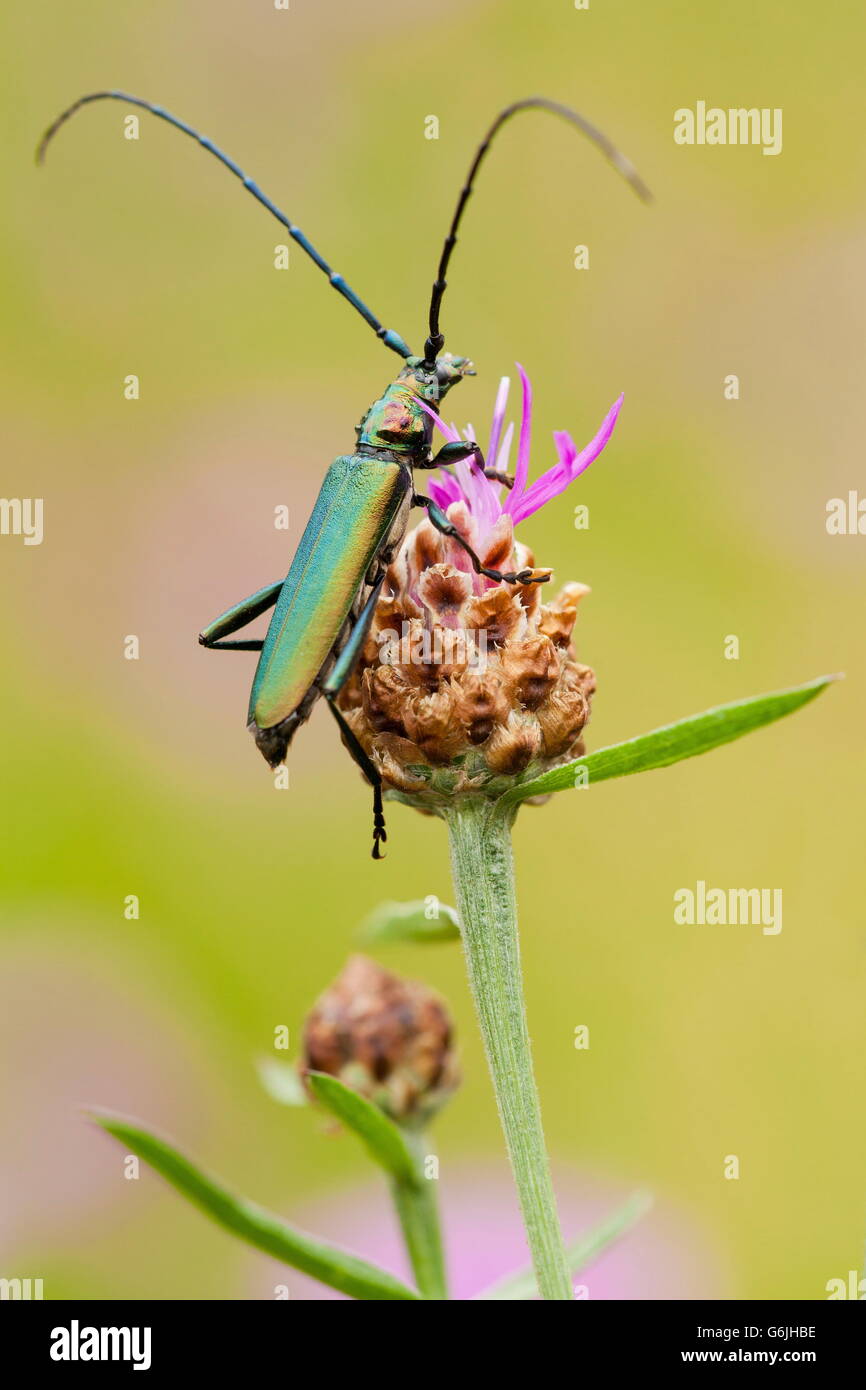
x=282 y=1082
x=686 y=739
x=383 y=1139
x=327 y=1263
x=410 y=922
x=580 y=1253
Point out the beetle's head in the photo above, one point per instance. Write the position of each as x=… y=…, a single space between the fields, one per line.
x=433 y=382
x=451 y=369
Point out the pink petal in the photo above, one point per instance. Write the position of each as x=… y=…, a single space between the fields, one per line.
x=498 y=418
x=570 y=466
x=484 y=495
x=501 y=464
x=595 y=446
x=521 y=471
x=444 y=490
x=448 y=430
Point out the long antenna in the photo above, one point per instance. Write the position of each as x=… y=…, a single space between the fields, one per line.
x=436 y=341
x=388 y=337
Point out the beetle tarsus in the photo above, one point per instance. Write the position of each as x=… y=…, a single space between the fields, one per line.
x=447 y=528
x=380 y=834
x=525 y=576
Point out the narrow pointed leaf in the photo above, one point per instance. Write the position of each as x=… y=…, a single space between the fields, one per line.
x=410 y=922
x=661 y=747
x=282 y=1082
x=379 y=1134
x=328 y=1263
x=580 y=1252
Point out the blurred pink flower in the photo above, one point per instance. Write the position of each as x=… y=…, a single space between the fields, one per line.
x=665 y=1256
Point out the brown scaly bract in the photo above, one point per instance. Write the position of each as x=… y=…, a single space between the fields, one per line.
x=464 y=684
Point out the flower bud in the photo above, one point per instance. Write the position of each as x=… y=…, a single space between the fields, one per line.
x=387 y=1038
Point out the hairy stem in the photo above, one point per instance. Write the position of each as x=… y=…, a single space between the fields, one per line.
x=483 y=872
x=419 y=1220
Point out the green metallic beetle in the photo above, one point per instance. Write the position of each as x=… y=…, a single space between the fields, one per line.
x=324 y=607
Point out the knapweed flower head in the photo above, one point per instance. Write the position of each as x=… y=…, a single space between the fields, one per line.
x=388 y=1038
x=464 y=683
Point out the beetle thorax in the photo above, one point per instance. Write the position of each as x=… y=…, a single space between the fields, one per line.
x=398 y=421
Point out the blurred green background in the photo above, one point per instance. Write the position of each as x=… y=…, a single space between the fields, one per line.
x=707 y=519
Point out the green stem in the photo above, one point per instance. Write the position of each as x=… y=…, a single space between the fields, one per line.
x=483 y=872
x=419 y=1220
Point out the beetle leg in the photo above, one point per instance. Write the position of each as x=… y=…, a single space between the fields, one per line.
x=369 y=770
x=345 y=663
x=507 y=479
x=447 y=528
x=238 y=616
x=459 y=449
x=454 y=452
x=331 y=687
